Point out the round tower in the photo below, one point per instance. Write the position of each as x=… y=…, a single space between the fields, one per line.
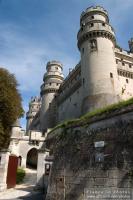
x=52 y=80
x=16 y=129
x=34 y=107
x=96 y=42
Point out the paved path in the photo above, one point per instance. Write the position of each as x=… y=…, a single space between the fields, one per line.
x=23 y=191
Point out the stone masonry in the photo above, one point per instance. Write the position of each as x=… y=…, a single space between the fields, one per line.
x=93 y=161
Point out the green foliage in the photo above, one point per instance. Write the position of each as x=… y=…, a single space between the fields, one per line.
x=97 y=112
x=2 y=134
x=108 y=109
x=10 y=105
x=20 y=175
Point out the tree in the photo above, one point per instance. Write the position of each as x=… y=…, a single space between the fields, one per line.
x=10 y=105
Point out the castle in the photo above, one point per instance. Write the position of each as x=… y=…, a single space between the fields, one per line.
x=103 y=76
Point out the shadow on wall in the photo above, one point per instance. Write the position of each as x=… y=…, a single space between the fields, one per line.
x=32 y=157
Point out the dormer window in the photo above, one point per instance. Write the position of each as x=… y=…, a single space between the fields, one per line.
x=103 y=24
x=92 y=17
x=91 y=24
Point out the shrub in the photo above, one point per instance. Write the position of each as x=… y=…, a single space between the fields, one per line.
x=20 y=175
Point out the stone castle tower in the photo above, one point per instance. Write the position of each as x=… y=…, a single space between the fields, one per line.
x=103 y=76
x=52 y=81
x=34 y=107
x=96 y=42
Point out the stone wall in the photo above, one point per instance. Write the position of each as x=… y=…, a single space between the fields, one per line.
x=4 y=157
x=93 y=161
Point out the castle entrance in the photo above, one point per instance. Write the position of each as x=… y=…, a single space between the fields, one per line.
x=32 y=157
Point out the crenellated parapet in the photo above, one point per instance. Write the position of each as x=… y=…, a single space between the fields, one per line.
x=54 y=62
x=94 y=10
x=94 y=22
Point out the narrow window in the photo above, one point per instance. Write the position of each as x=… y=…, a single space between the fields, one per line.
x=116 y=61
x=61 y=179
x=47 y=168
x=127 y=81
x=111 y=75
x=49 y=83
x=93 y=45
x=57 y=83
x=123 y=64
x=130 y=66
x=83 y=81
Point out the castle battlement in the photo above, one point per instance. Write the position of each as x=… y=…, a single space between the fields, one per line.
x=94 y=9
x=54 y=62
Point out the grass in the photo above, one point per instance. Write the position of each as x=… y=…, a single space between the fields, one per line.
x=96 y=112
x=108 y=109
x=20 y=175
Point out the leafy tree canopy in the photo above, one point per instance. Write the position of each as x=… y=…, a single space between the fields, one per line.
x=10 y=105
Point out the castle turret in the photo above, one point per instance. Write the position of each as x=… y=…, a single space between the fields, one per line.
x=34 y=107
x=52 y=81
x=131 y=45
x=96 y=42
x=16 y=129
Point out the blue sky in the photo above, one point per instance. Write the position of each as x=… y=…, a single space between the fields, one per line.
x=32 y=32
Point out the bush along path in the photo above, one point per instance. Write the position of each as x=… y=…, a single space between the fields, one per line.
x=20 y=175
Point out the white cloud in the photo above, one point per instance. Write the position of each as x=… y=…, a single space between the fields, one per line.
x=27 y=59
